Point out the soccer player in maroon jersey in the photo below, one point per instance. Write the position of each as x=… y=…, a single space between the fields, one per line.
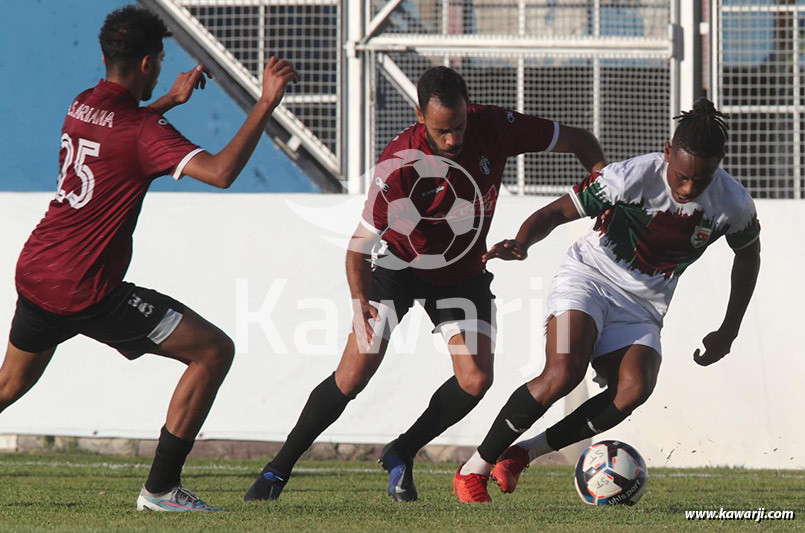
x=655 y=215
x=453 y=134
x=70 y=273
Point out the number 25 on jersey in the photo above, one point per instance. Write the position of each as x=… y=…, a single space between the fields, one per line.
x=85 y=148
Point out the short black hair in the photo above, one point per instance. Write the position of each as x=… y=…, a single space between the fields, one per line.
x=445 y=84
x=131 y=33
x=701 y=131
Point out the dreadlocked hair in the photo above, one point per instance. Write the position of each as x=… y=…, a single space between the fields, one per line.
x=701 y=131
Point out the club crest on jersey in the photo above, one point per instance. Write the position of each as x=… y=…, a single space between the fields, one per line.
x=700 y=237
x=485 y=166
x=510 y=117
x=381 y=184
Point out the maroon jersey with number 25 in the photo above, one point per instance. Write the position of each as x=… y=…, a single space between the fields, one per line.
x=111 y=150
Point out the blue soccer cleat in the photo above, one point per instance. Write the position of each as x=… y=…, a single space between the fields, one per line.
x=267 y=487
x=401 y=478
x=176 y=500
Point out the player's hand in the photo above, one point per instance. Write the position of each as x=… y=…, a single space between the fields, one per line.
x=508 y=250
x=276 y=76
x=363 y=319
x=187 y=82
x=717 y=344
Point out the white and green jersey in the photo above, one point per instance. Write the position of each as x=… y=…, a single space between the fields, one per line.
x=643 y=239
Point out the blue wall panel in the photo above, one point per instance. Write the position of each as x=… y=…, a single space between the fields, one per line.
x=49 y=53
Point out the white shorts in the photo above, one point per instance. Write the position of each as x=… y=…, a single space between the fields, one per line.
x=619 y=320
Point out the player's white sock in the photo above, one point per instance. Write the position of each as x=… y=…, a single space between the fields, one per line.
x=536 y=446
x=476 y=465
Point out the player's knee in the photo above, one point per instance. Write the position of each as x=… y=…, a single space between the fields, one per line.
x=560 y=380
x=632 y=394
x=12 y=390
x=220 y=355
x=475 y=383
x=352 y=381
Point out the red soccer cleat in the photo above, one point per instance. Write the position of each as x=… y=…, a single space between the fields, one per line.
x=471 y=488
x=508 y=469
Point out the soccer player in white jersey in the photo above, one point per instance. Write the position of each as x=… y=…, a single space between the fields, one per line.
x=655 y=215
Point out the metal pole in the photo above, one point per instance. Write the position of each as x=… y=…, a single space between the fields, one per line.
x=715 y=52
x=261 y=48
x=674 y=36
x=597 y=73
x=690 y=60
x=796 y=115
x=521 y=95
x=355 y=139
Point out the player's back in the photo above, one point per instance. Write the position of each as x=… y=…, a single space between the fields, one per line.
x=81 y=249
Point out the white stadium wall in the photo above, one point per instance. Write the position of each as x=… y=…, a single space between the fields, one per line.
x=268 y=269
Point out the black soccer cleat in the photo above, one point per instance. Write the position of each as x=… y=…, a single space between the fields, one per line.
x=267 y=487
x=401 y=478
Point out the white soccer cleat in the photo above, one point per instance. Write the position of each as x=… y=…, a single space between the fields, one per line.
x=176 y=500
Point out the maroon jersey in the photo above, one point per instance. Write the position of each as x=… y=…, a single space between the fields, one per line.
x=449 y=214
x=111 y=149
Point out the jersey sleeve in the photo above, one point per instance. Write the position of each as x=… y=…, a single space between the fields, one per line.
x=598 y=192
x=745 y=228
x=384 y=188
x=162 y=149
x=518 y=133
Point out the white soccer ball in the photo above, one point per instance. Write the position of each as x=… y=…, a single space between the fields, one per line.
x=611 y=472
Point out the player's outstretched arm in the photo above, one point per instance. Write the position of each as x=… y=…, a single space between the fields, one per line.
x=221 y=169
x=583 y=144
x=745 y=269
x=535 y=228
x=182 y=90
x=358 y=275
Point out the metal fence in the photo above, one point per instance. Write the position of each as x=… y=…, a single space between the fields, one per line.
x=758 y=60
x=305 y=32
x=605 y=66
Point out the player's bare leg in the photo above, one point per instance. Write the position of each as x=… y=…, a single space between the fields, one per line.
x=473 y=365
x=569 y=346
x=636 y=373
x=324 y=405
x=208 y=352
x=355 y=368
x=20 y=371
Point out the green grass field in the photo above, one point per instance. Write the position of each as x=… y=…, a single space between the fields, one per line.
x=64 y=491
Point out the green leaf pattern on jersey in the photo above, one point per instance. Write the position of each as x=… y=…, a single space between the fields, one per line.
x=593 y=197
x=623 y=227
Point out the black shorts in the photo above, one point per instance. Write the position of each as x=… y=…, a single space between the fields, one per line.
x=133 y=320
x=467 y=305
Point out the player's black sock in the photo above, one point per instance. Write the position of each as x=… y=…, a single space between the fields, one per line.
x=324 y=405
x=519 y=414
x=166 y=470
x=449 y=404
x=592 y=417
